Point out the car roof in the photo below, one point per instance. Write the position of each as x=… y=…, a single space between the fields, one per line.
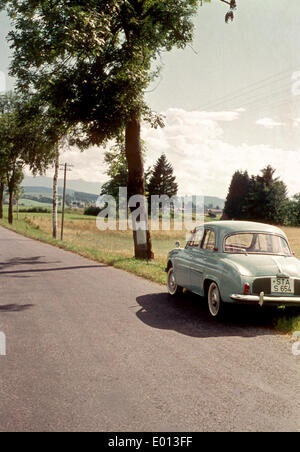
x=228 y=227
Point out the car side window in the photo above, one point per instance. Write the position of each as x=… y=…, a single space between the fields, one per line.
x=196 y=238
x=209 y=240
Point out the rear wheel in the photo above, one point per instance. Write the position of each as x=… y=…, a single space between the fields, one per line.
x=215 y=304
x=173 y=287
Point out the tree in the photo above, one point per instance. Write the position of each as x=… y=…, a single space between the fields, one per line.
x=238 y=191
x=17 y=189
x=293 y=211
x=115 y=159
x=23 y=142
x=259 y=198
x=2 y=183
x=163 y=181
x=267 y=198
x=92 y=61
x=117 y=171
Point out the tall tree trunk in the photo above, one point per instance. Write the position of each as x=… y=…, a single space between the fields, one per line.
x=55 y=195
x=2 y=187
x=11 y=188
x=136 y=183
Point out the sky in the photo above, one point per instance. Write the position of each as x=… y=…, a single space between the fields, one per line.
x=231 y=99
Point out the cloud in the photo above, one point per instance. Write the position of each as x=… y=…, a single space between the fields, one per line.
x=269 y=123
x=296 y=122
x=203 y=161
x=88 y=165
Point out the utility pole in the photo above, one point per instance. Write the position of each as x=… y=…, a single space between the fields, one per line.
x=66 y=167
x=55 y=194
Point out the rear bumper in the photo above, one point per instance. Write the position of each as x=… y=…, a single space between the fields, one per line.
x=263 y=299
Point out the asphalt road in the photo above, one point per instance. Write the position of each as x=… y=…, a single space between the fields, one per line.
x=91 y=348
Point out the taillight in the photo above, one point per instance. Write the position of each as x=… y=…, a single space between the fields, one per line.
x=247 y=289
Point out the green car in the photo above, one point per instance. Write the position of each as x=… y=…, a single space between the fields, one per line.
x=236 y=262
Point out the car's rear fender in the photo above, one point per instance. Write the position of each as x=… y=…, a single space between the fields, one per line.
x=209 y=279
x=229 y=281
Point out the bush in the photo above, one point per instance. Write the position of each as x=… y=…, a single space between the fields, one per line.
x=35 y=210
x=92 y=211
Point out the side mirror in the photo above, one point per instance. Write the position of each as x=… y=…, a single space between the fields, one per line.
x=177 y=244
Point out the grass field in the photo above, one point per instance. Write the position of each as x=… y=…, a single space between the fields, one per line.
x=111 y=247
x=23 y=203
x=115 y=248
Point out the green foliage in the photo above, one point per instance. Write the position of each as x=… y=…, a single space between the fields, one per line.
x=293 y=211
x=34 y=210
x=162 y=180
x=23 y=135
x=212 y=214
x=23 y=142
x=267 y=198
x=288 y=322
x=260 y=198
x=238 y=191
x=83 y=197
x=92 y=211
x=91 y=61
x=117 y=171
x=115 y=159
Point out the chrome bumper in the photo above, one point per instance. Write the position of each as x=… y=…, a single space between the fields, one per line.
x=263 y=299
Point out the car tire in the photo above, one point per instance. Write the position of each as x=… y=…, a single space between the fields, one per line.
x=215 y=303
x=173 y=287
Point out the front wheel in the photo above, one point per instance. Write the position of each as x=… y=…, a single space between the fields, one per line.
x=215 y=304
x=173 y=288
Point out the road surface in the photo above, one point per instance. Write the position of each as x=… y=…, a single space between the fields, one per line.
x=92 y=348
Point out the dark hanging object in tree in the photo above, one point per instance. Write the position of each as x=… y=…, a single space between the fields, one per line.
x=229 y=17
x=233 y=6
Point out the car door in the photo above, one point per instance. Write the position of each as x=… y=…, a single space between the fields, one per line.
x=184 y=261
x=181 y=267
x=201 y=261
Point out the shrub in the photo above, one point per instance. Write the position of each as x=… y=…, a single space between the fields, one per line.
x=92 y=211
x=35 y=210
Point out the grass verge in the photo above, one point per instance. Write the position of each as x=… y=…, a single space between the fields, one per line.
x=153 y=270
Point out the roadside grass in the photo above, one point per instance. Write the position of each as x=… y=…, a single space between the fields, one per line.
x=115 y=248
x=288 y=323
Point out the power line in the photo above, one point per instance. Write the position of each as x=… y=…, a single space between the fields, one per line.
x=249 y=89
x=262 y=98
x=277 y=103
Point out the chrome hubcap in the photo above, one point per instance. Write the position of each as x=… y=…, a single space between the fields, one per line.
x=172 y=283
x=214 y=301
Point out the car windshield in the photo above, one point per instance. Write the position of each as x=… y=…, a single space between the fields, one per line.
x=256 y=243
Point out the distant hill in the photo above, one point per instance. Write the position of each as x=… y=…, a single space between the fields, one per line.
x=79 y=185
x=37 y=190
x=213 y=202
x=85 y=191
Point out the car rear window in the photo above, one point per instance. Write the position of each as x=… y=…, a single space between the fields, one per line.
x=256 y=243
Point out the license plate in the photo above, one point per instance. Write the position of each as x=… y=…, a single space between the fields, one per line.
x=283 y=286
